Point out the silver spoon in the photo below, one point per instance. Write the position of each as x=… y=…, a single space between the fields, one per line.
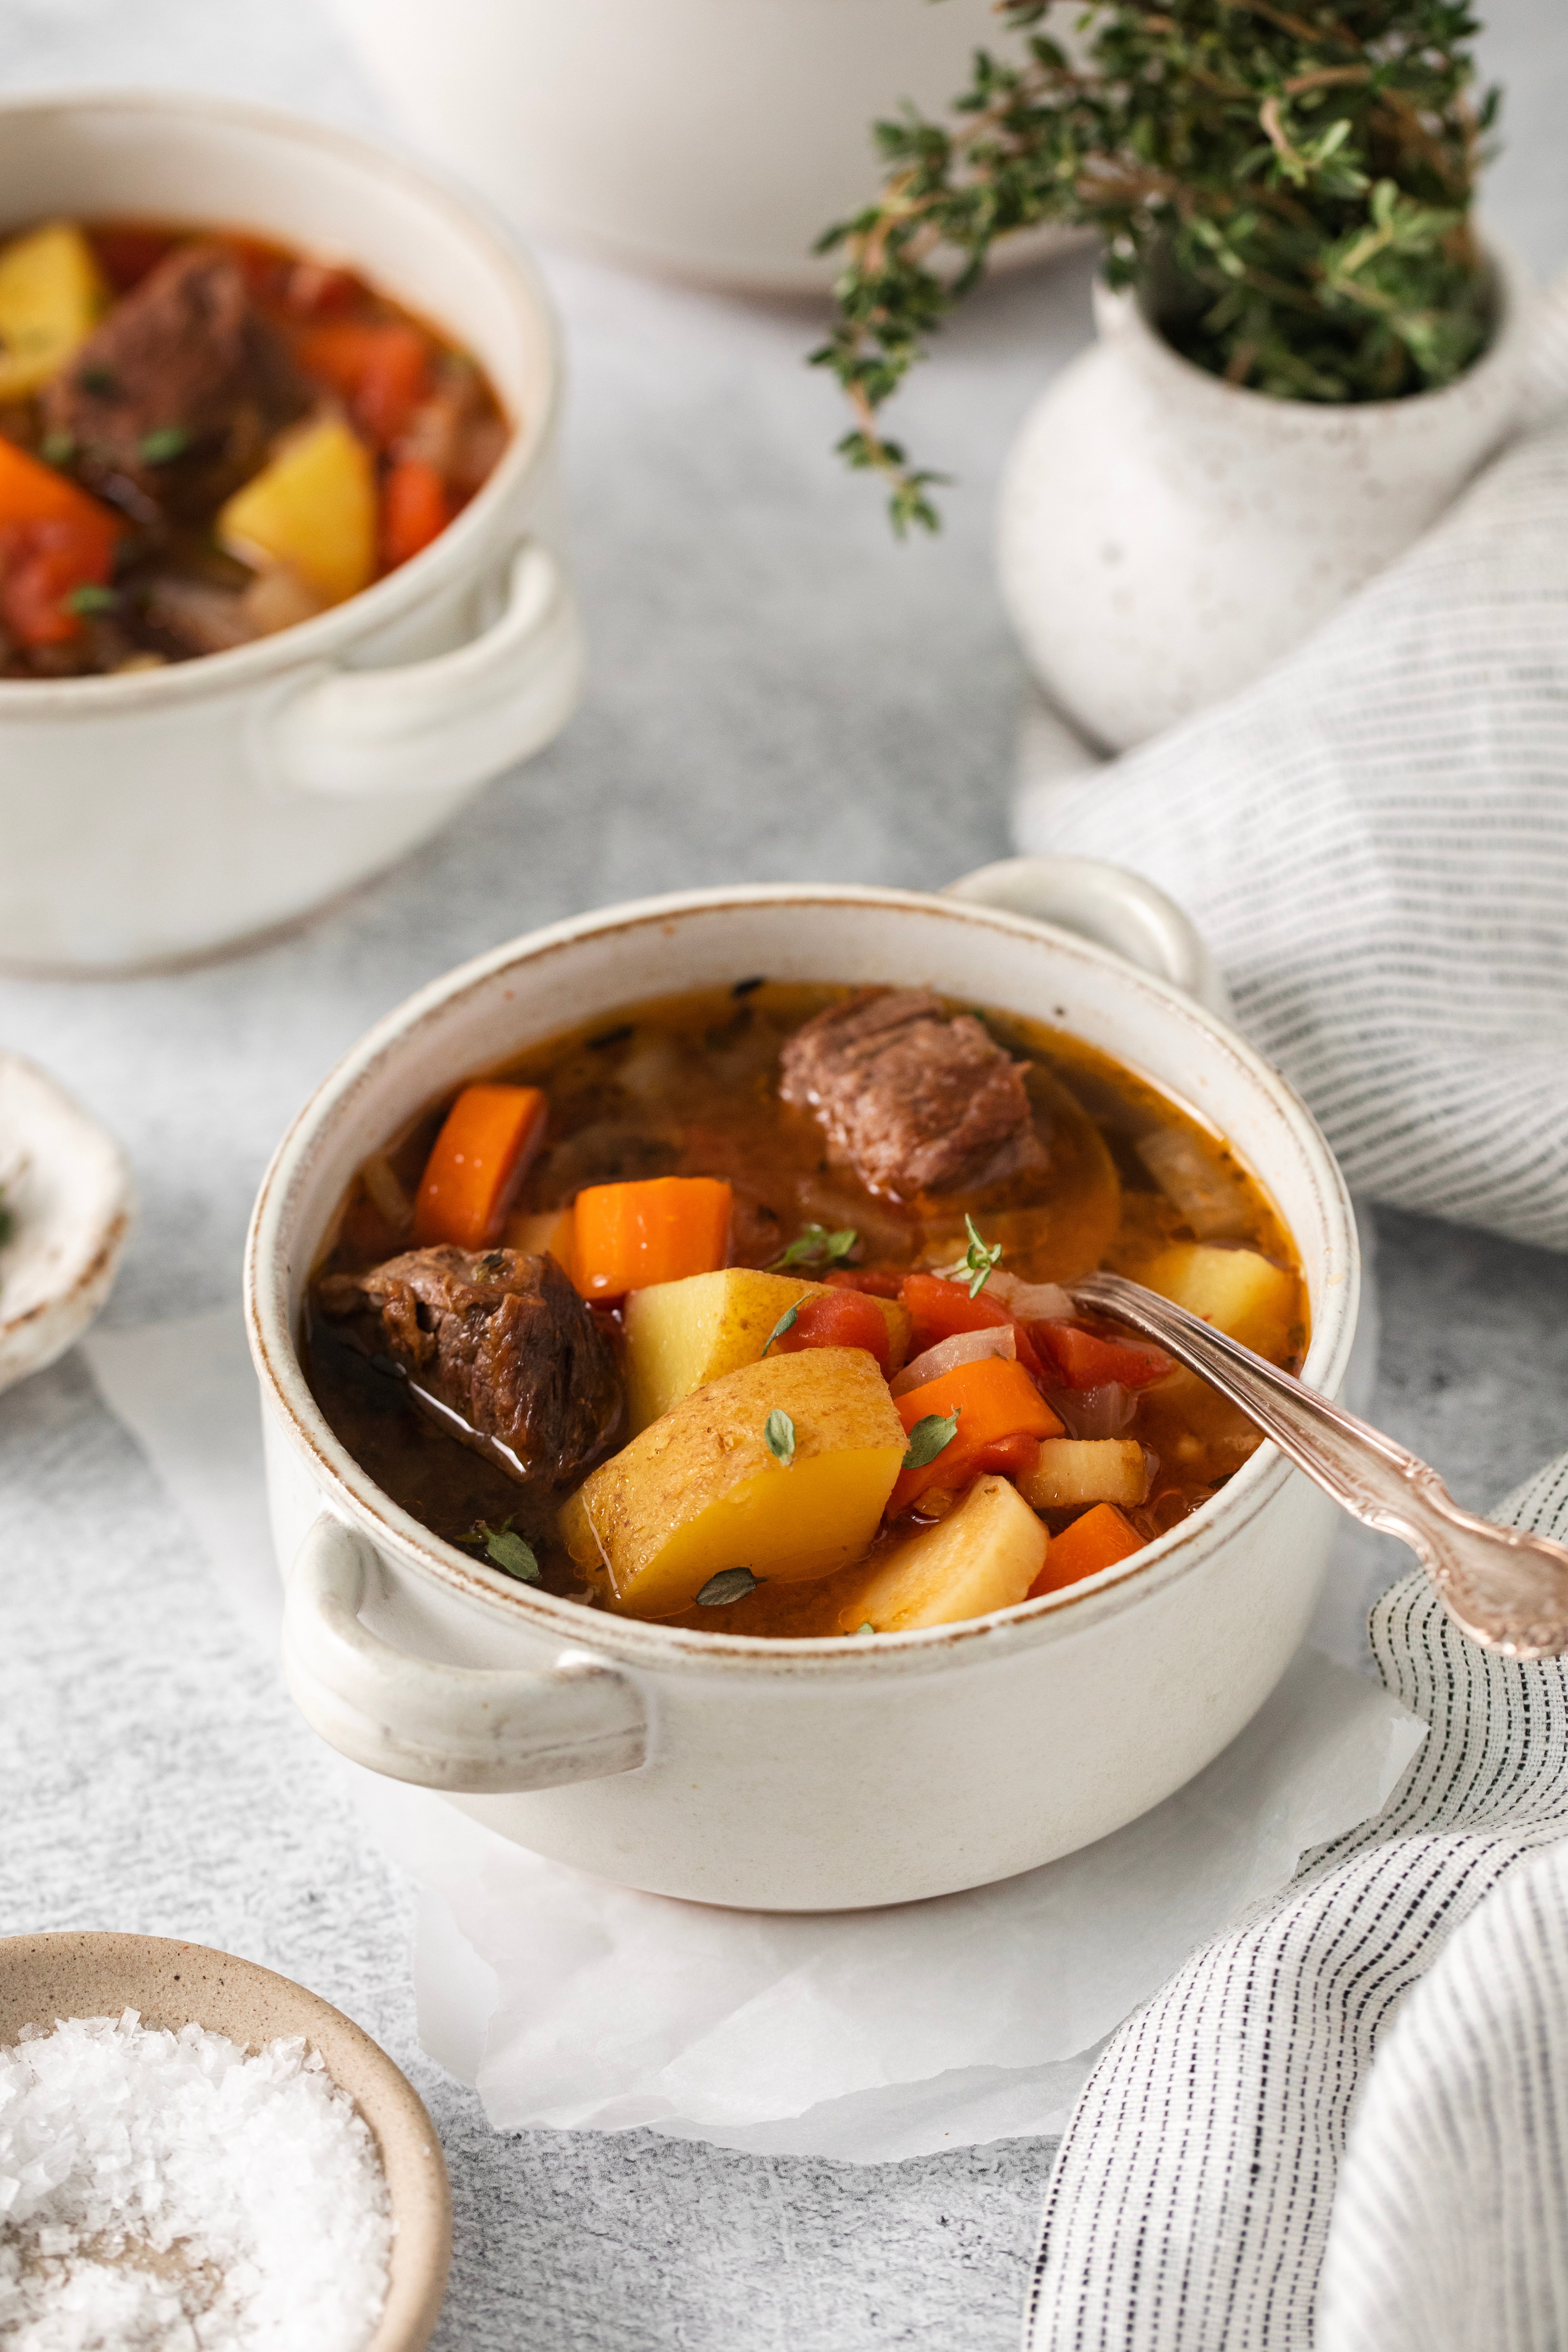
x=1505 y=1589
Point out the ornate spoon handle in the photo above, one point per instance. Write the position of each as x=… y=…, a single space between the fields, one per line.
x=1505 y=1589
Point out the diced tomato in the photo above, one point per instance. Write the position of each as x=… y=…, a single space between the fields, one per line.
x=845 y=1318
x=126 y=253
x=414 y=509
x=1076 y=1359
x=41 y=562
x=1007 y=1457
x=318 y=290
x=876 y=1282
x=381 y=369
x=265 y=271
x=940 y=1308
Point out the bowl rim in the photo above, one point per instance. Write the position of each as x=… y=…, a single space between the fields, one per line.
x=455 y=551
x=353 y=1495
x=414 y=2164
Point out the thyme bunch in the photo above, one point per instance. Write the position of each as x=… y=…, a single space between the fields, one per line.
x=1287 y=182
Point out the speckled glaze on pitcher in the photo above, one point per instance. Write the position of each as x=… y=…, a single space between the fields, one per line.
x=1163 y=536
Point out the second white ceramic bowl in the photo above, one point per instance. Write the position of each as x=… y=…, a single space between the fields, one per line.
x=162 y=814
x=812 y=1775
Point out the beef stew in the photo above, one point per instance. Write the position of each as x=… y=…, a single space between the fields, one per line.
x=741 y=1310
x=205 y=438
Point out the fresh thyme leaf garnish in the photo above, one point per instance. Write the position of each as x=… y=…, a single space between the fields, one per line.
x=786 y=1322
x=977 y=1262
x=507 y=1549
x=730 y=1584
x=930 y=1436
x=816 y=1246
x=779 y=1432
x=100 y=382
x=91 y=598
x=57 y=448
x=1291 y=186
x=867 y=1628
x=168 y=441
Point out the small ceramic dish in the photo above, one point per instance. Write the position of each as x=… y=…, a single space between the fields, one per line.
x=170 y=1984
x=65 y=1189
x=156 y=815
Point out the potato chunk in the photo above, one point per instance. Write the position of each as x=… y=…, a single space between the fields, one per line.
x=1073 y=1470
x=679 y=1335
x=982 y=1556
x=1237 y=1290
x=312 y=508
x=51 y=292
x=701 y=1490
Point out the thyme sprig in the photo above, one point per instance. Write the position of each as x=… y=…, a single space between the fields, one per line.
x=1288 y=187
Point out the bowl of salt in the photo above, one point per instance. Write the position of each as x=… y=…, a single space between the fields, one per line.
x=198 y=2155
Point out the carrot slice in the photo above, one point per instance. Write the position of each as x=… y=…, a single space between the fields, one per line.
x=629 y=1235
x=993 y=1398
x=31 y=491
x=1097 y=1538
x=482 y=1154
x=414 y=509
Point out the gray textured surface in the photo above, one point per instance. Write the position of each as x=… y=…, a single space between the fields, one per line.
x=778 y=691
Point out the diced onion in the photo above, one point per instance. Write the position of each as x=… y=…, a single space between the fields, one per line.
x=1096 y=1412
x=1031 y=1302
x=963 y=1347
x=1212 y=1203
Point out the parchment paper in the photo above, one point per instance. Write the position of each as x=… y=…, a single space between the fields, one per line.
x=866 y=2036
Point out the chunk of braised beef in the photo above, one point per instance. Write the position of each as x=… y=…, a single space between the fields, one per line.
x=917 y=1100
x=502 y=1338
x=174 y=398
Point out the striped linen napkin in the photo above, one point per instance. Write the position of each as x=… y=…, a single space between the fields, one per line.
x=1373 y=839
x=1236 y=2150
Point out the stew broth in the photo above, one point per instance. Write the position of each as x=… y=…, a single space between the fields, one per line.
x=689 y=1086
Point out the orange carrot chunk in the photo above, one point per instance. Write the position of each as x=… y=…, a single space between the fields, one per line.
x=629 y=1235
x=1098 y=1539
x=32 y=492
x=414 y=509
x=993 y=1398
x=481 y=1156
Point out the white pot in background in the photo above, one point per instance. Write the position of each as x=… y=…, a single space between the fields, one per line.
x=1163 y=536
x=809 y=1774
x=167 y=812
x=709 y=138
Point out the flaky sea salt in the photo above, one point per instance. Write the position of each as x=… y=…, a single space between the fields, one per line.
x=164 y=2192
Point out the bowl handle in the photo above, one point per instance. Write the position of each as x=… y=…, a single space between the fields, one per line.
x=1114 y=908
x=460 y=1729
x=441 y=725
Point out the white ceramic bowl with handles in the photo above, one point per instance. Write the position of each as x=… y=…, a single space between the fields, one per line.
x=712 y=138
x=808 y=1775
x=162 y=814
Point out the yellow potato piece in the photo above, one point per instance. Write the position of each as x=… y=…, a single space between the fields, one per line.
x=311 y=507
x=1074 y=1470
x=700 y=1490
x=1237 y=1290
x=679 y=1335
x=982 y=1556
x=51 y=294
